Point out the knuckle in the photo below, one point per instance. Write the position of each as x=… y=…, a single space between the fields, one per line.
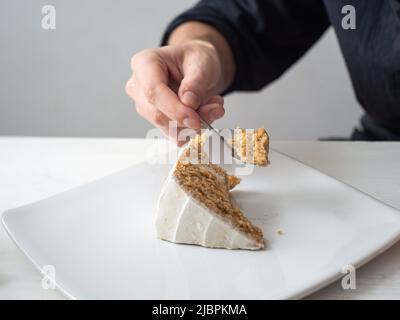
x=135 y=60
x=139 y=109
x=151 y=94
x=141 y=56
x=180 y=116
x=158 y=118
x=217 y=99
x=129 y=87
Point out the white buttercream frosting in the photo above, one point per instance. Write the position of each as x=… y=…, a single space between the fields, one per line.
x=183 y=219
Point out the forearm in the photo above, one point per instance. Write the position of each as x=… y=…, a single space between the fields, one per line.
x=191 y=31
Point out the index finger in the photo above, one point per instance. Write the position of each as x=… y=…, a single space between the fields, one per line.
x=152 y=76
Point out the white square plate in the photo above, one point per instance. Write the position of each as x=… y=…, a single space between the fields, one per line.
x=101 y=238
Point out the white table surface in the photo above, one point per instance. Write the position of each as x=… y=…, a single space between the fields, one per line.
x=35 y=168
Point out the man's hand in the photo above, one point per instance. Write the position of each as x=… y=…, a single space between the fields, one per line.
x=180 y=81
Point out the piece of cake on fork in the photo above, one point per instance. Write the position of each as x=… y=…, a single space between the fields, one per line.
x=252 y=145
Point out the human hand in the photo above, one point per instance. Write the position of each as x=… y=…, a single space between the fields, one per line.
x=177 y=83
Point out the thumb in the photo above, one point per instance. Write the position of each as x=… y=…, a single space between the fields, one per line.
x=195 y=87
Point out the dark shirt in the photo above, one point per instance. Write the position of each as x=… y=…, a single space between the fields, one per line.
x=268 y=36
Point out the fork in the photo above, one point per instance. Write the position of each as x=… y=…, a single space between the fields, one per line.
x=206 y=125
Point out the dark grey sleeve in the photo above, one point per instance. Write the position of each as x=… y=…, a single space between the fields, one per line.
x=265 y=36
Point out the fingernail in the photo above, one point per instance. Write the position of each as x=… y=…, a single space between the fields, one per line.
x=190 y=123
x=190 y=99
x=216 y=114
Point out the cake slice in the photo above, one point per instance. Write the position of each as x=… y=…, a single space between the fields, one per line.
x=196 y=206
x=252 y=145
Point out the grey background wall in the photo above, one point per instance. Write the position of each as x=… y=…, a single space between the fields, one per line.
x=70 y=81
